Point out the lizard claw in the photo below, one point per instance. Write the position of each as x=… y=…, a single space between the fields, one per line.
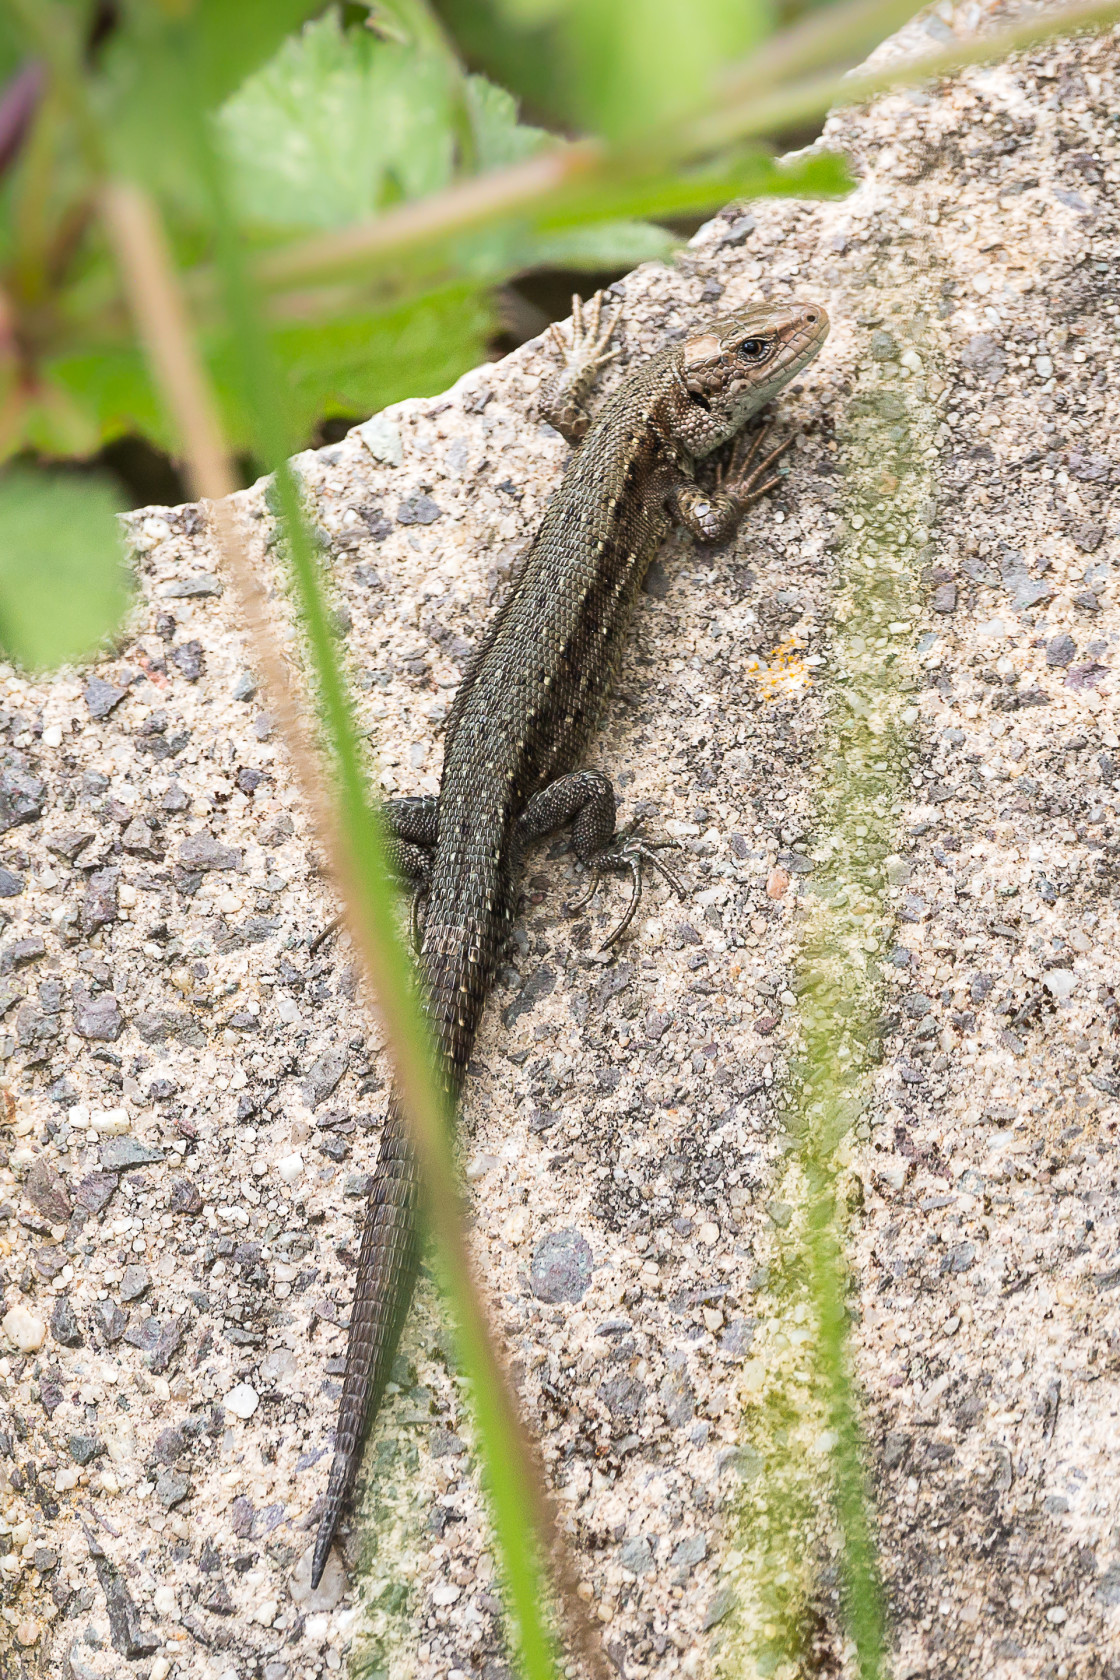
x=739 y=479
x=626 y=854
x=588 y=349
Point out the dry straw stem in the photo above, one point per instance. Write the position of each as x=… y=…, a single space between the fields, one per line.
x=766 y=113
x=753 y=100
x=151 y=284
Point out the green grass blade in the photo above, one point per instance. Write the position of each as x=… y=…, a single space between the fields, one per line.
x=513 y=1504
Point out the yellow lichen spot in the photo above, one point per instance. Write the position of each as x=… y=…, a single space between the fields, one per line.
x=785 y=674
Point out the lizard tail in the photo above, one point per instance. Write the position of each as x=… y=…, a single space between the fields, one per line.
x=386 y=1275
x=456 y=968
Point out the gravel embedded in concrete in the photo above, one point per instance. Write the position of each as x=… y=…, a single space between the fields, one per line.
x=631 y=1106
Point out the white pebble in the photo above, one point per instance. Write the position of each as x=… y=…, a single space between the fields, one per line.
x=516 y=1227
x=166 y=1601
x=480 y=1166
x=1060 y=983
x=23 y=1329
x=290 y=1168
x=110 y=1122
x=242 y=1401
x=326 y=1596
x=52 y=735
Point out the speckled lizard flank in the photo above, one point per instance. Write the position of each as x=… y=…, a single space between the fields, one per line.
x=524 y=713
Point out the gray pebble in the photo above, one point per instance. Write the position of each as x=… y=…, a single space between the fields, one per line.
x=134 y=1282
x=202 y=851
x=636 y=1556
x=22 y=796
x=110 y=1319
x=1061 y=650
x=419 y=510
x=192 y=588
x=102 y=697
x=171 y=1489
x=561 y=1267
x=83 y=1449
x=122 y=1154
x=64 y=1324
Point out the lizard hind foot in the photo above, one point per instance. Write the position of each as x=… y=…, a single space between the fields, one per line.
x=626 y=855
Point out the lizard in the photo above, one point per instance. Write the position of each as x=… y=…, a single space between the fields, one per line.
x=523 y=714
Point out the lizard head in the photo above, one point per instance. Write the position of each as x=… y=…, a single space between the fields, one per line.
x=733 y=366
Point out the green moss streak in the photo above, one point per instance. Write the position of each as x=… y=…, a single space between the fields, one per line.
x=807 y=1581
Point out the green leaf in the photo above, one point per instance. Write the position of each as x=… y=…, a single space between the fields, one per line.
x=112 y=389
x=598 y=245
x=350 y=363
x=225 y=40
x=360 y=363
x=341 y=123
x=164 y=64
x=63 y=581
x=499 y=137
x=336 y=125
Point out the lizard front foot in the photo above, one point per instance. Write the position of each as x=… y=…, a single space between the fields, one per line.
x=585 y=354
x=739 y=480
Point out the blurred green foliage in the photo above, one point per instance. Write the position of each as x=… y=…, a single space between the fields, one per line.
x=326 y=119
x=63 y=582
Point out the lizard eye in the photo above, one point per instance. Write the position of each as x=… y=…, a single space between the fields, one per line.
x=754 y=349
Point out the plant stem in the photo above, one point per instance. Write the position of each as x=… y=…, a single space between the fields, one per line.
x=749 y=107
x=347 y=828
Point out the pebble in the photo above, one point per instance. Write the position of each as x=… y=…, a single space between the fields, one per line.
x=1061 y=983
x=636 y=1556
x=242 y=1401
x=107 y=1122
x=326 y=1596
x=561 y=1267
x=122 y=1154
x=134 y=1282
x=290 y=1168
x=171 y=1489
x=83 y=1449
x=26 y=1332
